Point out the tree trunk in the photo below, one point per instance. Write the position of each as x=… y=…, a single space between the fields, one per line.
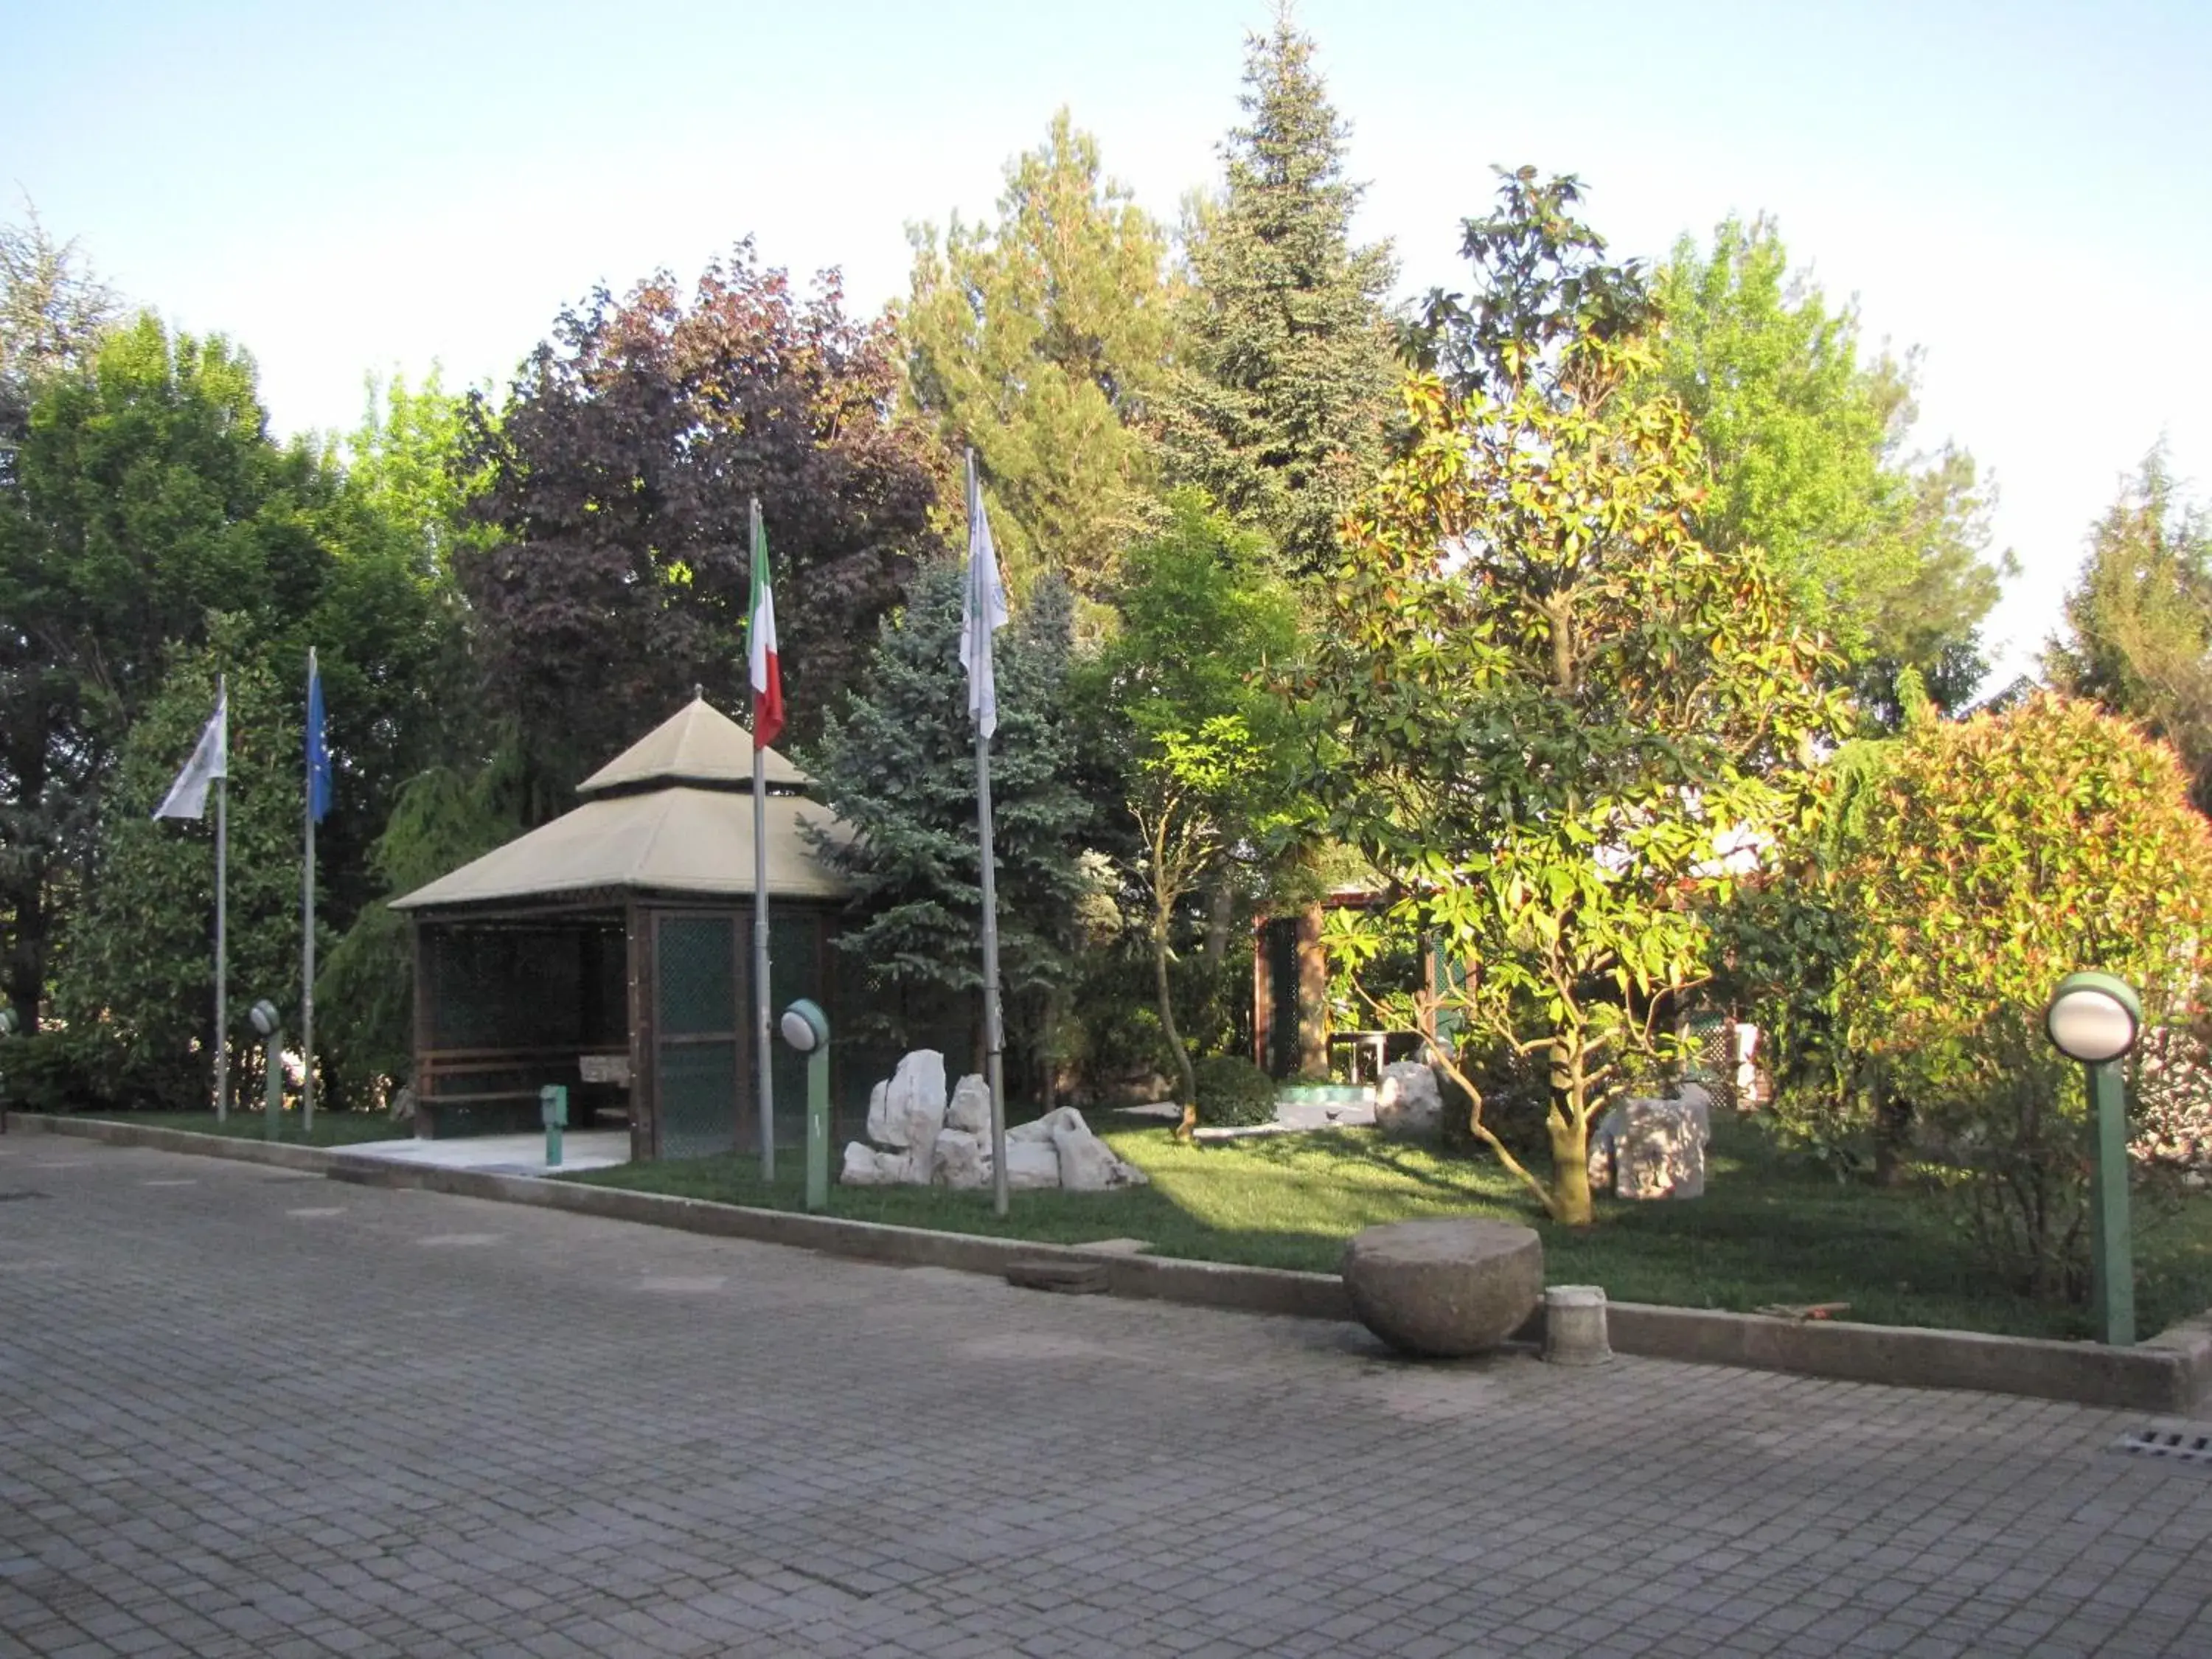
x=1187 y=1074
x=1220 y=912
x=1570 y=1188
x=24 y=893
x=1893 y=1137
x=1313 y=997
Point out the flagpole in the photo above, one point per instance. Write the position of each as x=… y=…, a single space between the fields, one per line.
x=221 y=917
x=995 y=1065
x=308 y=931
x=763 y=1058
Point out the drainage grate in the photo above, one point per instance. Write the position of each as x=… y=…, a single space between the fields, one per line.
x=6 y=1194
x=2182 y=1445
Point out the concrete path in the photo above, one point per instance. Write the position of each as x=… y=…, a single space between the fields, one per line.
x=248 y=1412
x=581 y=1149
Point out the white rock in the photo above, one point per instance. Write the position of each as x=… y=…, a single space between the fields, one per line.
x=1659 y=1150
x=1087 y=1164
x=971 y=1106
x=913 y=1110
x=1407 y=1101
x=1031 y=1162
x=866 y=1167
x=963 y=1160
x=879 y=1129
x=1045 y=1127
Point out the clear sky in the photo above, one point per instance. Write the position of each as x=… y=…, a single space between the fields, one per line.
x=2019 y=189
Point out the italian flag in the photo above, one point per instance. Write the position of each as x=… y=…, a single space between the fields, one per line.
x=760 y=638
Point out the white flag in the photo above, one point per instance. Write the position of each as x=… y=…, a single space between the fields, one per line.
x=982 y=613
x=187 y=796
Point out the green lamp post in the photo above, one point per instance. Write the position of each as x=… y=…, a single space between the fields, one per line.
x=2094 y=1019
x=8 y=1027
x=806 y=1028
x=271 y=1026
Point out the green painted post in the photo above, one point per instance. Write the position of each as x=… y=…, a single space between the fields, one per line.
x=272 y=1064
x=2094 y=1019
x=553 y=1107
x=806 y=1028
x=2111 y=1266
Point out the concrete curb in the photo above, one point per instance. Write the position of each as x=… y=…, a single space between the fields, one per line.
x=282 y=1154
x=2168 y=1374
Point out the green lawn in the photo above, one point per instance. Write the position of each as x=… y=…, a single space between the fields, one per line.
x=1767 y=1231
x=332 y=1128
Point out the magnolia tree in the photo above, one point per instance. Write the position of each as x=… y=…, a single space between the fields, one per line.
x=1559 y=720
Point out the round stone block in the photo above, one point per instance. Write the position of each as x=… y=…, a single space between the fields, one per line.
x=1443 y=1289
x=1574 y=1325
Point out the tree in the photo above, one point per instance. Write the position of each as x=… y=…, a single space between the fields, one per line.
x=617 y=480
x=2139 y=620
x=146 y=497
x=2003 y=853
x=1277 y=404
x=53 y=310
x=1878 y=548
x=135 y=978
x=1205 y=745
x=1042 y=340
x=1559 y=718
x=898 y=765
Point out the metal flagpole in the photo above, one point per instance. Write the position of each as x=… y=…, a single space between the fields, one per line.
x=763 y=1058
x=994 y=1038
x=221 y=918
x=308 y=931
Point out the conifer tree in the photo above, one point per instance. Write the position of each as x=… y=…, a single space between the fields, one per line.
x=899 y=766
x=1278 y=405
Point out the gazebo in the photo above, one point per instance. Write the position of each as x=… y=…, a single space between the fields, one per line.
x=612 y=950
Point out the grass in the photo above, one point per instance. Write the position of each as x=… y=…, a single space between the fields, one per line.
x=1769 y=1229
x=332 y=1128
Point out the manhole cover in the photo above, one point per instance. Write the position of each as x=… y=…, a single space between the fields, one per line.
x=2189 y=1445
x=6 y=1196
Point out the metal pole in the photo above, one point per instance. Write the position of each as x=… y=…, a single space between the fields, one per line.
x=994 y=1039
x=2111 y=1262
x=307 y=946
x=762 y=1059
x=221 y=916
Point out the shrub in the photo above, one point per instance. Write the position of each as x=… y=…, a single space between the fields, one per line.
x=1233 y=1092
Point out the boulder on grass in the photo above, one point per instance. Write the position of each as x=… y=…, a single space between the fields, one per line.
x=1443 y=1289
x=1031 y=1162
x=1407 y=1101
x=866 y=1167
x=964 y=1161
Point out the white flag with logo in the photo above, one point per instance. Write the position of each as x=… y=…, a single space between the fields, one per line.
x=187 y=796
x=982 y=614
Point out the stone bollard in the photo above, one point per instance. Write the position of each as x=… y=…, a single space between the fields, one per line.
x=1574 y=1325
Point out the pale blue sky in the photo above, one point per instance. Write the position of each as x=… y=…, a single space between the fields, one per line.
x=2019 y=189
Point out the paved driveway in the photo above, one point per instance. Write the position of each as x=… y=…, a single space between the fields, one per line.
x=243 y=1410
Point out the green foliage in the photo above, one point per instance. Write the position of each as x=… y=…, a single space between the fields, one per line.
x=1878 y=549
x=1041 y=341
x=1282 y=384
x=139 y=970
x=1560 y=719
x=898 y=765
x=1233 y=1092
x=2139 y=621
x=1204 y=747
x=53 y=309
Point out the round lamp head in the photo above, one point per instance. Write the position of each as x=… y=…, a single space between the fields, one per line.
x=9 y=1023
x=2093 y=1018
x=266 y=1020
x=805 y=1026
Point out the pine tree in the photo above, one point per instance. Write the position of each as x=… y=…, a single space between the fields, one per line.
x=1041 y=341
x=1278 y=405
x=899 y=766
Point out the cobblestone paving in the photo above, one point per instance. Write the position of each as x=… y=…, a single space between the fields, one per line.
x=248 y=1412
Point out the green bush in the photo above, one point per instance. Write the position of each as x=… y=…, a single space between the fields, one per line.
x=64 y=1071
x=1233 y=1092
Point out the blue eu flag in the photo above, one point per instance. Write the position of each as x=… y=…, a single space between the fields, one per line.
x=318 y=751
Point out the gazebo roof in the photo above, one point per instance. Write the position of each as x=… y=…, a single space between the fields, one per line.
x=697 y=745
x=673 y=813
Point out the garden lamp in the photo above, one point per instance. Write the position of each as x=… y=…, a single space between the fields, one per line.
x=271 y=1025
x=8 y=1027
x=806 y=1028
x=2094 y=1019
